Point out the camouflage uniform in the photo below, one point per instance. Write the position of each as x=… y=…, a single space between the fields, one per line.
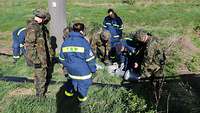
x=154 y=58
x=153 y=62
x=39 y=53
x=103 y=46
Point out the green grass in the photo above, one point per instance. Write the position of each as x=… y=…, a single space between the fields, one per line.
x=14 y=13
x=103 y=97
x=193 y=64
x=164 y=18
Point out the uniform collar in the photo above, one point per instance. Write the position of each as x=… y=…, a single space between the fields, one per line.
x=75 y=34
x=111 y=18
x=150 y=39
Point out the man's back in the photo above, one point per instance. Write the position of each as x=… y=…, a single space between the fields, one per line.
x=36 y=43
x=154 y=58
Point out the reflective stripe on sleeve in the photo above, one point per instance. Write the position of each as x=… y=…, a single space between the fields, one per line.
x=89 y=59
x=112 y=57
x=20 y=31
x=105 y=26
x=73 y=49
x=116 y=36
x=121 y=27
x=61 y=58
x=80 y=77
x=108 y=23
x=115 y=25
x=21 y=45
x=128 y=39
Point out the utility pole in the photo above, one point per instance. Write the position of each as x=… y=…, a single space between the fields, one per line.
x=58 y=20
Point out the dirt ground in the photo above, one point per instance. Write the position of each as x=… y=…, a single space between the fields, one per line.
x=21 y=91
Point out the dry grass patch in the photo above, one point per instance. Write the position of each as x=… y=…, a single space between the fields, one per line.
x=21 y=91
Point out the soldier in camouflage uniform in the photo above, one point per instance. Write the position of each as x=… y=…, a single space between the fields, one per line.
x=103 y=47
x=154 y=57
x=39 y=52
x=99 y=40
x=153 y=62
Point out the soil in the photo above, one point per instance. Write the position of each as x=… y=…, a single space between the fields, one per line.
x=6 y=47
x=187 y=46
x=186 y=49
x=21 y=91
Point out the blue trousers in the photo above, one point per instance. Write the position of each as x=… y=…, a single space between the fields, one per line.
x=17 y=46
x=79 y=87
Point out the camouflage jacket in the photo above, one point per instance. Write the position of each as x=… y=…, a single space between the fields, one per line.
x=103 y=45
x=37 y=43
x=153 y=55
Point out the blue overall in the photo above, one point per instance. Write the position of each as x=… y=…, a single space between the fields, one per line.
x=115 y=27
x=18 y=42
x=79 y=61
x=132 y=57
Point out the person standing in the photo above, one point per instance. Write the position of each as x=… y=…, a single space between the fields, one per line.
x=78 y=60
x=38 y=50
x=114 y=25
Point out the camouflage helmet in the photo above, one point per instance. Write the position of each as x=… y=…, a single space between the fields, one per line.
x=48 y=18
x=41 y=13
x=139 y=34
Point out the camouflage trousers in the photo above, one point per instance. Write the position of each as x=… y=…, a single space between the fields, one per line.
x=152 y=70
x=156 y=77
x=102 y=53
x=42 y=77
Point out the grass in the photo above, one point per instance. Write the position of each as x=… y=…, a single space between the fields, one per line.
x=103 y=97
x=193 y=64
x=164 y=18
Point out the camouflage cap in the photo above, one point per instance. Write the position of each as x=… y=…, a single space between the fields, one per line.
x=40 y=13
x=139 y=34
x=47 y=18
